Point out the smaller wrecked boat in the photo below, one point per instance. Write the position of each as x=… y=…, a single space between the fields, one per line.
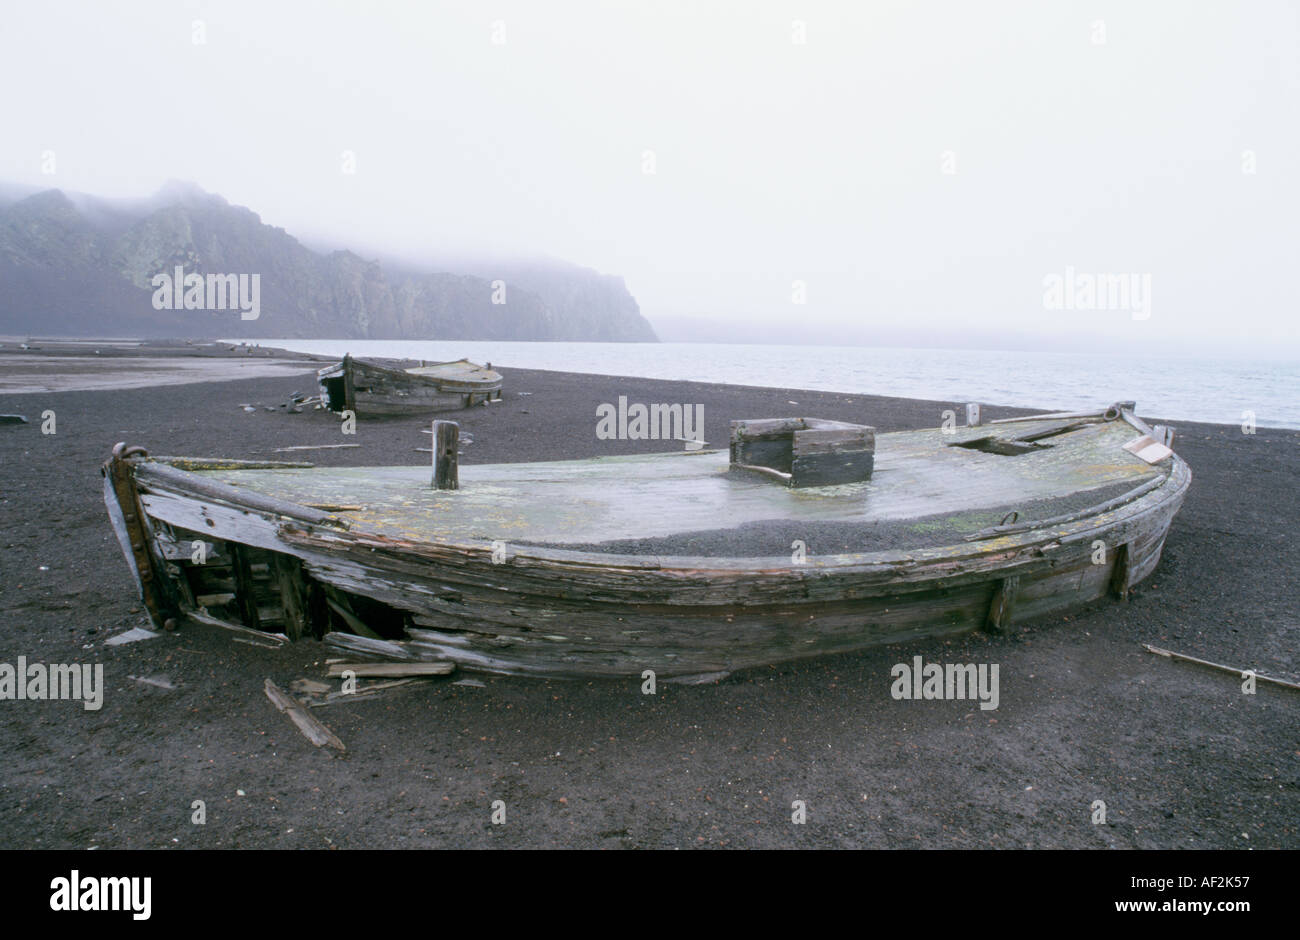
x=365 y=388
x=805 y=537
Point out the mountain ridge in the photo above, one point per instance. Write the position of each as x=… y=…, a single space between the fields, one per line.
x=72 y=263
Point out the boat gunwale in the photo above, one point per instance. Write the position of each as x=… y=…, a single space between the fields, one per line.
x=337 y=369
x=996 y=553
x=1001 y=548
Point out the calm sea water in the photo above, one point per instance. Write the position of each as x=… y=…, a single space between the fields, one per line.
x=1213 y=390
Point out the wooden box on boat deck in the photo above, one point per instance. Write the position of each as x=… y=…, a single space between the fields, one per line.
x=804 y=451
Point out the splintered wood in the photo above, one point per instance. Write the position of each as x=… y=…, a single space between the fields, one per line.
x=1170 y=654
x=312 y=729
x=374 y=670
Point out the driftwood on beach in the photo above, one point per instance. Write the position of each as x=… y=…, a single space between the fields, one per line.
x=511 y=572
x=311 y=727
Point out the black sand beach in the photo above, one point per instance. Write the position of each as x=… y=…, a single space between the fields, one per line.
x=1179 y=755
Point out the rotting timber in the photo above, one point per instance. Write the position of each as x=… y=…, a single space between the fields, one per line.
x=367 y=388
x=517 y=568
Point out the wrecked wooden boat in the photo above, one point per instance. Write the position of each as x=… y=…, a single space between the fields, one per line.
x=366 y=388
x=806 y=537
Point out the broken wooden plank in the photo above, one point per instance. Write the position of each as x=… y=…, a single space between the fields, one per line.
x=285 y=450
x=293 y=596
x=311 y=727
x=259 y=637
x=245 y=598
x=338 y=603
x=362 y=692
x=361 y=644
x=1108 y=414
x=228 y=463
x=191 y=484
x=393 y=669
x=1240 y=673
x=1148 y=449
x=158 y=682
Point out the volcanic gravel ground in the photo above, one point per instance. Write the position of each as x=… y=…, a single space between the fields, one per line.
x=1180 y=756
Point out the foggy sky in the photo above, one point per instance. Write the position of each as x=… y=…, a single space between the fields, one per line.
x=775 y=161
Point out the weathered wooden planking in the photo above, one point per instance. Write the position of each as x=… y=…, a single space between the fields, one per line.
x=446 y=460
x=360 y=644
x=460 y=375
x=668 y=580
x=165 y=476
x=293 y=596
x=449 y=585
x=311 y=727
x=1003 y=603
x=623 y=639
x=590 y=501
x=831 y=468
x=244 y=596
x=803 y=452
x=387 y=670
x=556 y=638
x=562 y=612
x=370 y=389
x=226 y=463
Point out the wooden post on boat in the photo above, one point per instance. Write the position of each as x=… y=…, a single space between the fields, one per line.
x=446 y=442
x=132 y=529
x=1004 y=599
x=349 y=392
x=1119 y=575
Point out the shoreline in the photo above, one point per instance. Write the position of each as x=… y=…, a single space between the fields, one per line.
x=111 y=367
x=1118 y=384
x=1180 y=756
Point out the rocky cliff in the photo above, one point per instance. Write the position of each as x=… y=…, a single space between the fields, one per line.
x=74 y=264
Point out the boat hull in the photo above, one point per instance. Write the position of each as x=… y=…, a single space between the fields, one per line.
x=549 y=612
x=371 y=390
